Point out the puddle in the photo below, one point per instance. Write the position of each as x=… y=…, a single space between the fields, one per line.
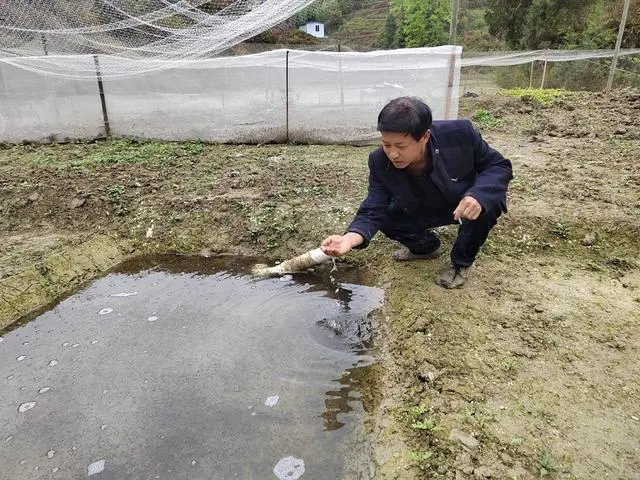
x=183 y=368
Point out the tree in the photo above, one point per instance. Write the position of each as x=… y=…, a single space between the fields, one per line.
x=417 y=23
x=506 y=20
x=534 y=24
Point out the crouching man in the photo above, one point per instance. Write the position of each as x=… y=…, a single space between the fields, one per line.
x=427 y=174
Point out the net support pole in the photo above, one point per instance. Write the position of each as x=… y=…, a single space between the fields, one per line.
x=544 y=74
x=453 y=27
x=341 y=84
x=286 y=95
x=616 y=52
x=43 y=39
x=531 y=75
x=448 y=114
x=103 y=102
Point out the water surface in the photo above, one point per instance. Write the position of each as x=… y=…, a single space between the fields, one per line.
x=182 y=368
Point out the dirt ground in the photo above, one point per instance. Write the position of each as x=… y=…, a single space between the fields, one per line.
x=531 y=370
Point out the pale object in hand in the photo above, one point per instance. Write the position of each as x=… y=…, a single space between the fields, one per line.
x=293 y=265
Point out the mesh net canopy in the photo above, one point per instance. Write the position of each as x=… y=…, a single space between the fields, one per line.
x=165 y=32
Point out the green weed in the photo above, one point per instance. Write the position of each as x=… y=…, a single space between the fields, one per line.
x=546 y=466
x=422 y=458
x=485 y=118
x=545 y=96
x=560 y=230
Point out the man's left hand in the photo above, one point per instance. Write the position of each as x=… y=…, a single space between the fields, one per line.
x=468 y=208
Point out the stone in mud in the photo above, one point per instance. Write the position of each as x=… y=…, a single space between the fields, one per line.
x=590 y=239
x=482 y=472
x=77 y=202
x=467 y=441
x=354 y=328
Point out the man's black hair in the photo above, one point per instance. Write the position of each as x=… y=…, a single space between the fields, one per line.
x=408 y=115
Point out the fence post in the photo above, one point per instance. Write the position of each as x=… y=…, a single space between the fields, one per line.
x=544 y=74
x=105 y=116
x=452 y=68
x=286 y=88
x=341 y=83
x=453 y=26
x=43 y=38
x=614 y=60
x=531 y=75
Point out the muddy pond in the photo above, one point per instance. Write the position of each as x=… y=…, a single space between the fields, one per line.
x=189 y=368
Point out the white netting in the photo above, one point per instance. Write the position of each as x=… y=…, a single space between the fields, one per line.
x=273 y=96
x=504 y=59
x=168 y=31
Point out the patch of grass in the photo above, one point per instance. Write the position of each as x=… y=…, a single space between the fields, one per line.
x=426 y=424
x=546 y=465
x=478 y=418
x=269 y=222
x=544 y=96
x=122 y=151
x=45 y=160
x=486 y=119
x=559 y=230
x=422 y=458
x=418 y=420
x=116 y=195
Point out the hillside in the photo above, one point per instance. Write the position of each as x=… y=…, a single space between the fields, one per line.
x=362 y=28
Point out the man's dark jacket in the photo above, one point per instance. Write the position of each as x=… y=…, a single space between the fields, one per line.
x=463 y=164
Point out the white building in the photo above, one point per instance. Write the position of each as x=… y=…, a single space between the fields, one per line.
x=313 y=28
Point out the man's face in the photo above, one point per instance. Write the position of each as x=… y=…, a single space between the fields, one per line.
x=402 y=149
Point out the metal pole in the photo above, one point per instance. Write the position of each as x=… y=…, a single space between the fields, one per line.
x=531 y=75
x=448 y=113
x=453 y=28
x=614 y=61
x=107 y=129
x=341 y=84
x=44 y=43
x=544 y=74
x=287 y=96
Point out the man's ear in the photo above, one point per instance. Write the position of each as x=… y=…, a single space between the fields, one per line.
x=427 y=136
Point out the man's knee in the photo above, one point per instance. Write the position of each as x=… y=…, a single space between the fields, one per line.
x=490 y=216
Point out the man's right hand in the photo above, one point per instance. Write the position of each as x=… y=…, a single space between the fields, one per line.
x=338 y=245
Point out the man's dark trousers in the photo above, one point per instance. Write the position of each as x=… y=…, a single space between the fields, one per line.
x=411 y=230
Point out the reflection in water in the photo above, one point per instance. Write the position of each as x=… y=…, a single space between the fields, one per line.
x=338 y=401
